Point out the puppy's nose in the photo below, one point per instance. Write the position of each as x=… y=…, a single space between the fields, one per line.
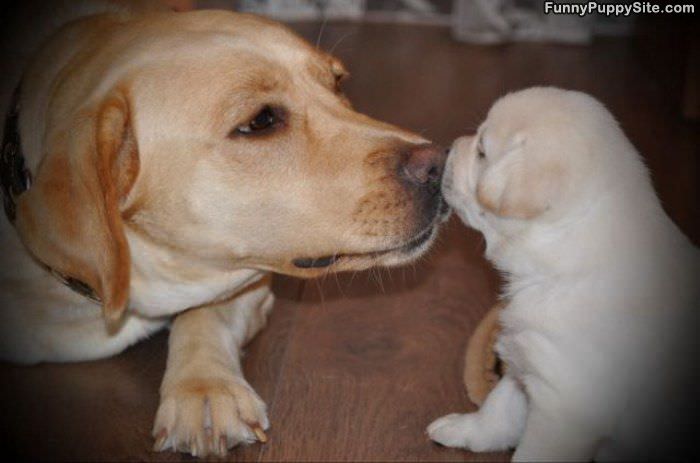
x=424 y=164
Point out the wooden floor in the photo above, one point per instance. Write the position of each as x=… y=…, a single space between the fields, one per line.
x=355 y=367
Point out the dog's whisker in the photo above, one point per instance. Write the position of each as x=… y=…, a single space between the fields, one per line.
x=320 y=294
x=321 y=29
x=338 y=285
x=352 y=278
x=388 y=274
x=339 y=41
x=381 y=282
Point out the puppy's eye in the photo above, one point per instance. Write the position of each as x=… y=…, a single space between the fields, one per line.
x=480 y=151
x=266 y=119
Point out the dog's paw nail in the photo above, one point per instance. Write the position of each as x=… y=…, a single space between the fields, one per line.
x=197 y=448
x=259 y=433
x=161 y=438
x=223 y=447
x=236 y=415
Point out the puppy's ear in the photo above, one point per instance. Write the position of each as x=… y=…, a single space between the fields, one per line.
x=70 y=218
x=519 y=187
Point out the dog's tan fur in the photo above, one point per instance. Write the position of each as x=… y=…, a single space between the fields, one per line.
x=480 y=361
x=144 y=190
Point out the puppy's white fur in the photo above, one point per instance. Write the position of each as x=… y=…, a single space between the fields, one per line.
x=597 y=333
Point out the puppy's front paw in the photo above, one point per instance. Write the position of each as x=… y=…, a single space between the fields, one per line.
x=209 y=416
x=460 y=430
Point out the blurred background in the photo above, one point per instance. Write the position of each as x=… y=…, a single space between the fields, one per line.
x=354 y=367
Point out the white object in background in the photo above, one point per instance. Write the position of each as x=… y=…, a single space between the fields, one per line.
x=305 y=9
x=498 y=21
x=419 y=6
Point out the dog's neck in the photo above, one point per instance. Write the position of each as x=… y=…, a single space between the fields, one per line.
x=164 y=281
x=156 y=288
x=15 y=179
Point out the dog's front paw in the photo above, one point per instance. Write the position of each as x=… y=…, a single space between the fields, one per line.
x=460 y=430
x=209 y=416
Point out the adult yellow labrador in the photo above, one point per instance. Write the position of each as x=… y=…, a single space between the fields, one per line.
x=159 y=165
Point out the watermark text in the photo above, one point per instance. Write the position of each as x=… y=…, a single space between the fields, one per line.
x=616 y=9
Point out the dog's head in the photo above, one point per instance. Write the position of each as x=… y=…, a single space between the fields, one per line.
x=540 y=155
x=225 y=139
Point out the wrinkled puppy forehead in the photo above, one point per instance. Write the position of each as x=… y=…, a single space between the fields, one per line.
x=544 y=115
x=549 y=106
x=526 y=109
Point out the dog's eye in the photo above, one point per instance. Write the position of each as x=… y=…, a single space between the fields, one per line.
x=266 y=119
x=337 y=84
x=339 y=75
x=480 y=151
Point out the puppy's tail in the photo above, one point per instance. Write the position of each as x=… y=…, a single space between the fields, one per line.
x=483 y=368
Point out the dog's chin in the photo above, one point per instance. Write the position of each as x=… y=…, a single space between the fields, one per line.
x=406 y=252
x=399 y=255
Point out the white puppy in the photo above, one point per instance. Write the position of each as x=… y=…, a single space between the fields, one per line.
x=601 y=287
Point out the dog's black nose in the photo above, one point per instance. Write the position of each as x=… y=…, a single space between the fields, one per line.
x=423 y=165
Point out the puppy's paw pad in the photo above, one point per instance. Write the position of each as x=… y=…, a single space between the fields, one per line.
x=209 y=417
x=455 y=430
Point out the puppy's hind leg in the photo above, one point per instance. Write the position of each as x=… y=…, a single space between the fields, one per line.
x=555 y=438
x=498 y=425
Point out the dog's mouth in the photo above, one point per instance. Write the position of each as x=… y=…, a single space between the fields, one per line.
x=390 y=256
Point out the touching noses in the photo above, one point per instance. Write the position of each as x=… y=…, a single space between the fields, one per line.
x=423 y=166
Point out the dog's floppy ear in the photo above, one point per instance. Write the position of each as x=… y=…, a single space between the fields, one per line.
x=70 y=218
x=518 y=187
